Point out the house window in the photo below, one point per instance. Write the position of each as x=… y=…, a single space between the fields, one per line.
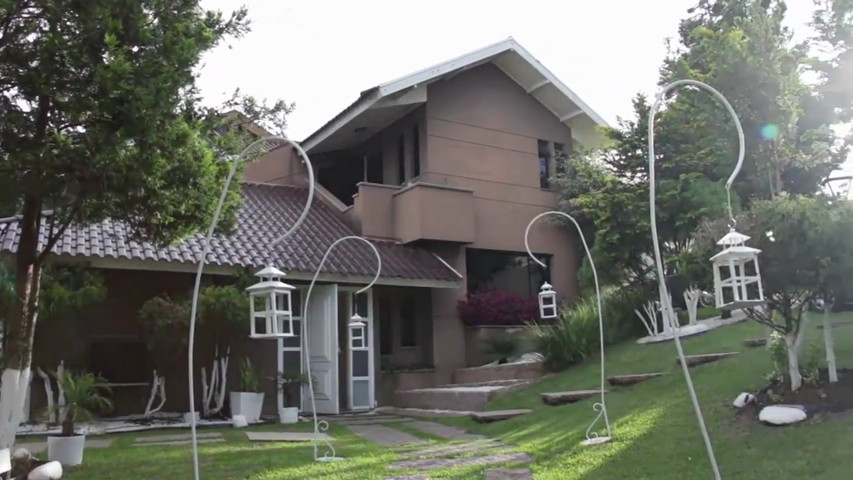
x=560 y=158
x=510 y=271
x=386 y=334
x=401 y=159
x=408 y=323
x=544 y=164
x=416 y=152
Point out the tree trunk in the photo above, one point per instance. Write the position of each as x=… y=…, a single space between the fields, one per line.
x=828 y=342
x=20 y=328
x=793 y=362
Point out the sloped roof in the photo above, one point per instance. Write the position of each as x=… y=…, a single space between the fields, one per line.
x=381 y=105
x=267 y=212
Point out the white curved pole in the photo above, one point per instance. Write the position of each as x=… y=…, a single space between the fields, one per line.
x=206 y=249
x=318 y=426
x=600 y=407
x=669 y=315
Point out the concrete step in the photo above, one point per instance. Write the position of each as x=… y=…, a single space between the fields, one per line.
x=695 y=360
x=495 y=383
x=492 y=373
x=464 y=399
x=625 y=380
x=562 y=398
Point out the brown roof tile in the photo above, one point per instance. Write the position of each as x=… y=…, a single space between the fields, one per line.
x=267 y=212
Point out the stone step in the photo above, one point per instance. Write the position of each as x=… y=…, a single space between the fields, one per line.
x=561 y=398
x=498 y=415
x=454 y=449
x=624 y=380
x=446 y=432
x=755 y=342
x=447 y=463
x=416 y=476
x=493 y=383
x=694 y=360
x=465 y=399
x=491 y=373
x=508 y=474
x=385 y=436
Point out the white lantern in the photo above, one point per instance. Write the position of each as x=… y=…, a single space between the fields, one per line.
x=270 y=313
x=547 y=302
x=737 y=280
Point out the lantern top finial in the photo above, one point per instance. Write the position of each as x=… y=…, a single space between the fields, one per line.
x=356 y=320
x=733 y=238
x=547 y=288
x=270 y=272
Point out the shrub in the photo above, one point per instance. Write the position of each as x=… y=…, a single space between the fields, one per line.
x=571 y=339
x=501 y=346
x=250 y=377
x=620 y=321
x=497 y=307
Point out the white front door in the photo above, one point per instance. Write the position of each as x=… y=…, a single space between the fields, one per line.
x=360 y=364
x=322 y=335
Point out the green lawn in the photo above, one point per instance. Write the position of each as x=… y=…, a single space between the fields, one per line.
x=655 y=430
x=656 y=435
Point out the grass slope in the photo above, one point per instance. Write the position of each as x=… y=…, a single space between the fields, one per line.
x=656 y=432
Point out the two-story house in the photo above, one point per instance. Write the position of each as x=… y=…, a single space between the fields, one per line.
x=442 y=169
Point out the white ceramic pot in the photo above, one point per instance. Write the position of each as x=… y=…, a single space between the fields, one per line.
x=188 y=418
x=247 y=404
x=66 y=450
x=288 y=415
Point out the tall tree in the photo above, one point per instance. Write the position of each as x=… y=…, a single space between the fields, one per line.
x=100 y=118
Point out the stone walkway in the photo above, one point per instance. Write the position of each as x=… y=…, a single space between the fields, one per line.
x=475 y=450
x=177 y=439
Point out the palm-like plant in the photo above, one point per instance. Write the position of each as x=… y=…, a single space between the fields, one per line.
x=289 y=384
x=83 y=397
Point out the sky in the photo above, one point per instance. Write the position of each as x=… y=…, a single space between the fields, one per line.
x=320 y=54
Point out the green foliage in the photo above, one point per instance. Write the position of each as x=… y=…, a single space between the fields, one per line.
x=289 y=382
x=84 y=396
x=500 y=346
x=811 y=364
x=64 y=290
x=250 y=377
x=571 y=339
x=223 y=311
x=778 y=357
x=165 y=324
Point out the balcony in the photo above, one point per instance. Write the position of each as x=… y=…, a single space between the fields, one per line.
x=419 y=212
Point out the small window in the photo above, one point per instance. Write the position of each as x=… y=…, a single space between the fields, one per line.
x=401 y=159
x=544 y=164
x=408 y=323
x=416 y=152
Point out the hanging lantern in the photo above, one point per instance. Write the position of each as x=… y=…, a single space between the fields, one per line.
x=737 y=280
x=356 y=321
x=547 y=302
x=270 y=313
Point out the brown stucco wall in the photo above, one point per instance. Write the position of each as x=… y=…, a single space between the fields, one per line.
x=482 y=133
x=115 y=319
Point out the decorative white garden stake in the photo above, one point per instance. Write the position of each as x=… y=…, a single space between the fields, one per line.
x=547 y=302
x=258 y=147
x=737 y=281
x=691 y=299
x=270 y=305
x=668 y=310
x=322 y=426
x=592 y=437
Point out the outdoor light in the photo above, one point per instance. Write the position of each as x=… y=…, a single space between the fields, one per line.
x=548 y=309
x=356 y=321
x=547 y=302
x=269 y=306
x=737 y=281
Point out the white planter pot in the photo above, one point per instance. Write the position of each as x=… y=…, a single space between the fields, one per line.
x=248 y=404
x=288 y=415
x=66 y=450
x=188 y=418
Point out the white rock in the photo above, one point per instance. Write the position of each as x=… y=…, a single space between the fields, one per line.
x=743 y=399
x=239 y=421
x=48 y=471
x=22 y=454
x=782 y=415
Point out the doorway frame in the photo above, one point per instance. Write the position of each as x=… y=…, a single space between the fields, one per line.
x=350 y=292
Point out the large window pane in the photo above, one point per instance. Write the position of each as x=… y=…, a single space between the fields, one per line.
x=510 y=271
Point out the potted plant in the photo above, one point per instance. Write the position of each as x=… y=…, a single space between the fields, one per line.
x=250 y=399
x=290 y=384
x=83 y=397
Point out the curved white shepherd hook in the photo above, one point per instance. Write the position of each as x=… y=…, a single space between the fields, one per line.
x=592 y=437
x=664 y=295
x=191 y=343
x=324 y=425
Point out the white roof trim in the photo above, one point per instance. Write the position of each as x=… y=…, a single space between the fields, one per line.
x=460 y=63
x=448 y=266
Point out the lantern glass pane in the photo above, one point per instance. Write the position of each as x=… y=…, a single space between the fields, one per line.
x=294 y=342
x=281 y=302
x=259 y=303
